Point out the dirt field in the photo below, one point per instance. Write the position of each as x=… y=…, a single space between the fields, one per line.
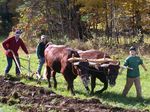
x=38 y=99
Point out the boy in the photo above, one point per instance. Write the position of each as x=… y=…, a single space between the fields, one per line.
x=133 y=75
x=40 y=54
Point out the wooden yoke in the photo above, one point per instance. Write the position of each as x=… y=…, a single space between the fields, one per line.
x=101 y=60
x=97 y=61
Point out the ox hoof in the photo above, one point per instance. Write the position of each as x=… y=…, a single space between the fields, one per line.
x=55 y=87
x=38 y=82
x=98 y=92
x=73 y=94
x=87 y=89
x=91 y=93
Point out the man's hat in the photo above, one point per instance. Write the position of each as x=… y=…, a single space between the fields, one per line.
x=132 y=48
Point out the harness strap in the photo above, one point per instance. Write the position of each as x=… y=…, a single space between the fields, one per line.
x=73 y=70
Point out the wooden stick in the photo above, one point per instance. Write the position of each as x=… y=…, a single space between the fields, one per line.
x=102 y=60
x=16 y=61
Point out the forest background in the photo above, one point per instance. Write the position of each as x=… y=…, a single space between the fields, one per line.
x=82 y=24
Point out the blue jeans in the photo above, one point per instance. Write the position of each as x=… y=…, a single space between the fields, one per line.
x=9 y=65
x=41 y=62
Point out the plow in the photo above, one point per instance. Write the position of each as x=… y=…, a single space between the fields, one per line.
x=30 y=73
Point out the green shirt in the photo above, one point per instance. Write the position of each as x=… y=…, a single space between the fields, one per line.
x=133 y=62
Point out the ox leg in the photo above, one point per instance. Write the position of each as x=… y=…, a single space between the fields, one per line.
x=93 y=83
x=104 y=88
x=48 y=76
x=70 y=86
x=54 y=79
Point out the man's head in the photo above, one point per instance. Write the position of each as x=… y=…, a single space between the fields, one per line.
x=18 y=33
x=132 y=50
x=43 y=38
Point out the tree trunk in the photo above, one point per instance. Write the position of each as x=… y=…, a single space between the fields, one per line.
x=47 y=15
x=106 y=19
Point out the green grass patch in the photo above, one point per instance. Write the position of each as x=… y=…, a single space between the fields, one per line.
x=6 y=108
x=112 y=96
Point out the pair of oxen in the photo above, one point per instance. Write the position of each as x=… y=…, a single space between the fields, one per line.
x=85 y=64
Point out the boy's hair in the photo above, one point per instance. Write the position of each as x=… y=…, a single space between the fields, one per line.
x=132 y=48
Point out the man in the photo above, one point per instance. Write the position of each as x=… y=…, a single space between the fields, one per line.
x=133 y=75
x=40 y=54
x=12 y=45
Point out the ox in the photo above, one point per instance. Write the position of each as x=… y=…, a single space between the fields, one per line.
x=106 y=73
x=56 y=58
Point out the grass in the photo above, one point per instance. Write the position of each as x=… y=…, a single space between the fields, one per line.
x=112 y=96
x=6 y=108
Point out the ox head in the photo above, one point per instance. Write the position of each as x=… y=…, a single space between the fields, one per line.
x=82 y=70
x=112 y=71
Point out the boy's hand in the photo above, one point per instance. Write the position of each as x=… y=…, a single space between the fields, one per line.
x=144 y=67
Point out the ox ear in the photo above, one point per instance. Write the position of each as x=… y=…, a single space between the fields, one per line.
x=75 y=63
x=104 y=65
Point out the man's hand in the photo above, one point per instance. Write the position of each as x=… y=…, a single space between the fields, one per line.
x=8 y=50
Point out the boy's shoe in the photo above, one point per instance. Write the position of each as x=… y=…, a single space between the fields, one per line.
x=7 y=76
x=38 y=76
x=18 y=76
x=42 y=78
x=140 y=98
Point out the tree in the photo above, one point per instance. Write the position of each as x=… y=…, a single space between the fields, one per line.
x=81 y=18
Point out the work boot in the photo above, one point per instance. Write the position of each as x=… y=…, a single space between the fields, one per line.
x=6 y=75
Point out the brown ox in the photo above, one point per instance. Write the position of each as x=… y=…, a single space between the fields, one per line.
x=56 y=58
x=106 y=73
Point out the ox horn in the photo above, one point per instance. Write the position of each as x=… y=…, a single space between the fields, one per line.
x=76 y=59
x=75 y=63
x=101 y=60
x=104 y=65
x=92 y=63
x=126 y=67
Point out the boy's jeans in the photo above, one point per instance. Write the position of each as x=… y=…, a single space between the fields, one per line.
x=9 y=65
x=129 y=83
x=41 y=62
